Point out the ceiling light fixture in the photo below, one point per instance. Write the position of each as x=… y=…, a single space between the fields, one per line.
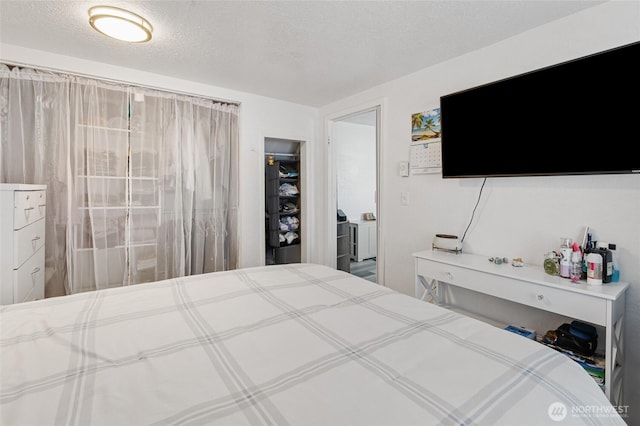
x=120 y=24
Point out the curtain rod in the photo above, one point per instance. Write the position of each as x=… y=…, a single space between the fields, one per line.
x=110 y=80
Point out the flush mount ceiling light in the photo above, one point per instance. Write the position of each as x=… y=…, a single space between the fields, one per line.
x=120 y=24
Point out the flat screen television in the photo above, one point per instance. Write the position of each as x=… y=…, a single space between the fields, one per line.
x=575 y=118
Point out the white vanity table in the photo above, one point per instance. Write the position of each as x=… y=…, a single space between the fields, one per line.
x=529 y=285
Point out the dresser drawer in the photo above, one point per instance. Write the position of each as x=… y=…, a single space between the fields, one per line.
x=29 y=279
x=29 y=206
x=568 y=303
x=27 y=241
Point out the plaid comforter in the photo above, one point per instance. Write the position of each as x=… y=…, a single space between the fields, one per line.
x=298 y=344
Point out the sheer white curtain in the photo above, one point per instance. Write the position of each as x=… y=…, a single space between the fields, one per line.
x=34 y=135
x=98 y=252
x=143 y=183
x=199 y=180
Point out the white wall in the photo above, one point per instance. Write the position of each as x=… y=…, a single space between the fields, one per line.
x=260 y=117
x=517 y=217
x=355 y=168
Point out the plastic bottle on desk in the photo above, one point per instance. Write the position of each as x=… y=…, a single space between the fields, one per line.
x=576 y=266
x=594 y=268
x=615 y=277
x=588 y=248
x=607 y=263
x=566 y=249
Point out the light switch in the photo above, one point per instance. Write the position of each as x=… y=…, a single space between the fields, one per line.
x=404 y=168
x=404 y=198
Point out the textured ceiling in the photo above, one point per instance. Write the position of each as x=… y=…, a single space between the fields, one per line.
x=308 y=52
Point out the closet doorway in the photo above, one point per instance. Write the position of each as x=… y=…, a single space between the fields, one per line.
x=355 y=145
x=284 y=224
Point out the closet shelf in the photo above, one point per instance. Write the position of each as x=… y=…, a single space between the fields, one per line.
x=118 y=247
x=147 y=244
x=112 y=129
x=118 y=208
x=116 y=177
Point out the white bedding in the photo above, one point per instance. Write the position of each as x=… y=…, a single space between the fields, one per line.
x=296 y=344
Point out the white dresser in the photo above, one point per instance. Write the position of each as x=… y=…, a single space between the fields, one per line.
x=22 y=233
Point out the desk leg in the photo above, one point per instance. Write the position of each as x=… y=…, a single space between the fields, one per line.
x=614 y=356
x=614 y=362
x=427 y=290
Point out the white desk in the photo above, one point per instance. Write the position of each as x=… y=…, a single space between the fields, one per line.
x=531 y=286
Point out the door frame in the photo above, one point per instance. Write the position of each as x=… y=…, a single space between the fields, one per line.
x=332 y=222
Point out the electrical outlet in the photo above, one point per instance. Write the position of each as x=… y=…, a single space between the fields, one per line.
x=404 y=198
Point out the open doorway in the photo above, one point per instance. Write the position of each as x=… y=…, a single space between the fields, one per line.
x=355 y=145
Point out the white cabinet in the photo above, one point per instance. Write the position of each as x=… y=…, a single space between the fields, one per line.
x=529 y=285
x=363 y=239
x=22 y=236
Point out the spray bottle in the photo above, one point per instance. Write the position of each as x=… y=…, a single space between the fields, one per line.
x=565 y=256
x=576 y=264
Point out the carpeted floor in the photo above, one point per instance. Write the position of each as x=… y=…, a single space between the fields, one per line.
x=365 y=269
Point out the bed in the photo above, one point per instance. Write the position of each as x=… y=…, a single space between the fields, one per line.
x=298 y=344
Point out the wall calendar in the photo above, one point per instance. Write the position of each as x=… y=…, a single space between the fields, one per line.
x=425 y=149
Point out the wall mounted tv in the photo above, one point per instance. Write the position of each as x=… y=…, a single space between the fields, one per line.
x=575 y=118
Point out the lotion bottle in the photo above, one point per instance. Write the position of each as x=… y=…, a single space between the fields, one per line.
x=594 y=268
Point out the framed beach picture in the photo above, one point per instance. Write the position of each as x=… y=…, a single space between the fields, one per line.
x=425 y=126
